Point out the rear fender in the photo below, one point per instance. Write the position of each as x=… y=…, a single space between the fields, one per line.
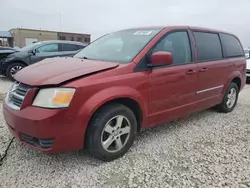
x=235 y=74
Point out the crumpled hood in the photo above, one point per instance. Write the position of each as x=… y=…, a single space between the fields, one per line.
x=17 y=54
x=54 y=71
x=248 y=64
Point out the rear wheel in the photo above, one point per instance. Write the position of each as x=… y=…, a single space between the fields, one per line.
x=230 y=99
x=12 y=69
x=111 y=132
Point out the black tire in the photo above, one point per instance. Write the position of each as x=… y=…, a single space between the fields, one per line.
x=223 y=107
x=93 y=141
x=248 y=80
x=9 y=74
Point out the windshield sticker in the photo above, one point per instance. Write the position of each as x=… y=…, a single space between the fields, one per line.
x=143 y=32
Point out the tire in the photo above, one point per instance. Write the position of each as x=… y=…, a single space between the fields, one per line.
x=227 y=106
x=9 y=70
x=248 y=80
x=97 y=139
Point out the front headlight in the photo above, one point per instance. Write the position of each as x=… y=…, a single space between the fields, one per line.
x=54 y=97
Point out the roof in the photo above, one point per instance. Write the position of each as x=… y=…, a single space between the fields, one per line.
x=182 y=27
x=6 y=51
x=6 y=48
x=209 y=29
x=62 y=41
x=5 y=34
x=59 y=32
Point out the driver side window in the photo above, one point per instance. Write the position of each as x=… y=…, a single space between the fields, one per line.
x=178 y=44
x=47 y=48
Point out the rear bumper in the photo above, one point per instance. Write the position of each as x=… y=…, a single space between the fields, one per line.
x=45 y=130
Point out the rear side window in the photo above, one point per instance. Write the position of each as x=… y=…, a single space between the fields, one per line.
x=208 y=46
x=70 y=47
x=231 y=46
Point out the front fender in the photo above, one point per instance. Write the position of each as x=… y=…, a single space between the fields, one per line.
x=103 y=96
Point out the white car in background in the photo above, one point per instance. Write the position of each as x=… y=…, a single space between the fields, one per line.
x=247 y=53
x=248 y=69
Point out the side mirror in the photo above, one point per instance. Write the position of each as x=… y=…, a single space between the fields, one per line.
x=161 y=58
x=33 y=52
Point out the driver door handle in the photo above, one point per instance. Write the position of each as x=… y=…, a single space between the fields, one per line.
x=203 y=69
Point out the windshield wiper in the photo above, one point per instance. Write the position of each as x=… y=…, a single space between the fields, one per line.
x=85 y=58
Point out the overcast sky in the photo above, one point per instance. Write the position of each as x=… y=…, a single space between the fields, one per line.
x=98 y=17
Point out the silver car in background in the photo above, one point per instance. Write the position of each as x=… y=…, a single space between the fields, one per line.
x=36 y=52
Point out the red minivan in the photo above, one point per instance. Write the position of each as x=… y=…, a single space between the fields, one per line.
x=123 y=82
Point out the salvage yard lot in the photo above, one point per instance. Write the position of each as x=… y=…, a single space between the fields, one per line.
x=208 y=149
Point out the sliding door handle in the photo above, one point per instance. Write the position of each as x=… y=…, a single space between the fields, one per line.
x=190 y=72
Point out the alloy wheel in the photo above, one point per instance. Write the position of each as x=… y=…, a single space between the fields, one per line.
x=231 y=97
x=15 y=69
x=115 y=134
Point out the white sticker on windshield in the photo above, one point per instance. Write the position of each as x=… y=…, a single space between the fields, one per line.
x=143 y=32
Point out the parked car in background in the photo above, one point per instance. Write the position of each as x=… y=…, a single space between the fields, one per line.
x=6 y=48
x=36 y=52
x=4 y=52
x=247 y=53
x=123 y=82
x=248 y=69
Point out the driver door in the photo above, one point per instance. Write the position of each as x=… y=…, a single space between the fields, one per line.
x=173 y=87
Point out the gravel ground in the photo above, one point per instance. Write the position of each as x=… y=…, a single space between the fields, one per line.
x=208 y=149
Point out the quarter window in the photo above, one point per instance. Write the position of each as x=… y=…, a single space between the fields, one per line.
x=231 y=46
x=178 y=44
x=208 y=46
x=47 y=48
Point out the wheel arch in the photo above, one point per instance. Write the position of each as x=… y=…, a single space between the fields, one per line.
x=236 y=78
x=127 y=96
x=132 y=104
x=17 y=61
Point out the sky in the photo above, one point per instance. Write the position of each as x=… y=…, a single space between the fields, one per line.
x=98 y=17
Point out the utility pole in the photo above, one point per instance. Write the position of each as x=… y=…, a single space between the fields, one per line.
x=61 y=22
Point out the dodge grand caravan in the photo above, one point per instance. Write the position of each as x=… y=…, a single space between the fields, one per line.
x=123 y=82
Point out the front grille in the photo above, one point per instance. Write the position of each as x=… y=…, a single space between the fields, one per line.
x=17 y=94
x=41 y=143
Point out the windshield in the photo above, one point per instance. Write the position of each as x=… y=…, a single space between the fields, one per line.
x=120 y=46
x=30 y=47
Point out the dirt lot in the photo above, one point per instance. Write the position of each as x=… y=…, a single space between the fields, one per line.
x=208 y=149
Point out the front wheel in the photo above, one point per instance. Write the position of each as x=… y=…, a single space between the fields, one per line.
x=230 y=99
x=12 y=69
x=111 y=132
